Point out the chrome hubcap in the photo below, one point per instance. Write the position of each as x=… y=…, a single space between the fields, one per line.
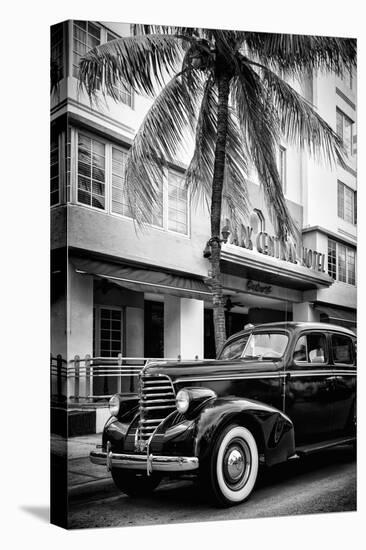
x=235 y=464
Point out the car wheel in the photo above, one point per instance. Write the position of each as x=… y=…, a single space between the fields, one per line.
x=234 y=466
x=135 y=484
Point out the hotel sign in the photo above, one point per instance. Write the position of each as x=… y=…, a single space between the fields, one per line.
x=282 y=249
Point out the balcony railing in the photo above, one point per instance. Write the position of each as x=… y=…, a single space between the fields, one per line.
x=96 y=379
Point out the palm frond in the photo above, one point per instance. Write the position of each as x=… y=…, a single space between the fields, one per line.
x=199 y=173
x=200 y=170
x=260 y=128
x=142 y=62
x=297 y=53
x=300 y=124
x=157 y=143
x=235 y=205
x=164 y=29
x=228 y=42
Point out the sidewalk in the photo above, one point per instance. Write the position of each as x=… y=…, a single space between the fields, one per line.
x=84 y=477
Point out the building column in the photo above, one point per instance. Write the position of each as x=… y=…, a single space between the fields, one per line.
x=183 y=327
x=135 y=328
x=80 y=327
x=134 y=332
x=305 y=312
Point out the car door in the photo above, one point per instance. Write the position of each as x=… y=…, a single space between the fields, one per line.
x=344 y=361
x=309 y=388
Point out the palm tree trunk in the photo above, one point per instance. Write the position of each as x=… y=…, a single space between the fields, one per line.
x=216 y=200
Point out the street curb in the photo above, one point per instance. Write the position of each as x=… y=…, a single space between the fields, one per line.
x=94 y=487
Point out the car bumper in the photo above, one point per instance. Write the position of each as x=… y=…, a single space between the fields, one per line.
x=148 y=463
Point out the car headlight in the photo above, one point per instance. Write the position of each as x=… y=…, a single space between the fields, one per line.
x=182 y=401
x=114 y=404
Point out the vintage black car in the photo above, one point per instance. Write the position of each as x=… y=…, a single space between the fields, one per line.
x=277 y=391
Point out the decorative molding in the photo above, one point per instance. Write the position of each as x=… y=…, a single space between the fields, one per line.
x=346 y=234
x=101 y=116
x=347 y=238
x=345 y=98
x=350 y=170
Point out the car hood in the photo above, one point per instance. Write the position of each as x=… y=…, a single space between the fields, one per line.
x=192 y=369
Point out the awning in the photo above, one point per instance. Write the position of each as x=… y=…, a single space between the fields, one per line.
x=338 y=316
x=143 y=280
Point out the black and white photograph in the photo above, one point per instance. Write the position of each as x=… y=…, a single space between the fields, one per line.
x=203 y=193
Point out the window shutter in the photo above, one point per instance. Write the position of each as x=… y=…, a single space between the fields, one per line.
x=340 y=200
x=354 y=144
x=339 y=124
x=355 y=208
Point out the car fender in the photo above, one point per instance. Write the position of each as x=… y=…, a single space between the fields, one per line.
x=272 y=429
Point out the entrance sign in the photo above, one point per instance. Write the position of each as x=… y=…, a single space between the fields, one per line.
x=254 y=286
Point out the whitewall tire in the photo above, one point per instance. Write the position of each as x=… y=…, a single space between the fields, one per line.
x=234 y=466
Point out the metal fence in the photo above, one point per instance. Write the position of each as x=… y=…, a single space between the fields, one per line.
x=94 y=379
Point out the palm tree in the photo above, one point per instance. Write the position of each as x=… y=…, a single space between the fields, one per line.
x=225 y=88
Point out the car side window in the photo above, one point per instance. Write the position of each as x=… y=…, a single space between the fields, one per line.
x=300 y=353
x=342 y=348
x=234 y=349
x=311 y=348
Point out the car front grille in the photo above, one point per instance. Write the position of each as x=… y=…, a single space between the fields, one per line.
x=157 y=401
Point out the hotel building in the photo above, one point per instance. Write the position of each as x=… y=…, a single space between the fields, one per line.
x=117 y=289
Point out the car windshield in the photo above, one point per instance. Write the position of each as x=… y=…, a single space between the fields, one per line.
x=265 y=345
x=234 y=350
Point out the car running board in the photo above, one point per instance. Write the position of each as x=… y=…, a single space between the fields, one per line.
x=321 y=446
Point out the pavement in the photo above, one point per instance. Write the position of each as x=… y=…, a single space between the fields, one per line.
x=84 y=478
x=87 y=480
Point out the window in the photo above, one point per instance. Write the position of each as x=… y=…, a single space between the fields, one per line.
x=91 y=172
x=234 y=349
x=269 y=345
x=332 y=259
x=282 y=167
x=342 y=348
x=345 y=131
x=341 y=262
x=107 y=331
x=156 y=214
x=55 y=170
x=351 y=266
x=57 y=50
x=342 y=271
x=100 y=183
x=311 y=348
x=110 y=332
x=86 y=36
x=119 y=195
x=178 y=204
x=346 y=203
x=124 y=93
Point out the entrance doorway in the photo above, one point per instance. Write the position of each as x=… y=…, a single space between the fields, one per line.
x=234 y=323
x=154 y=329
